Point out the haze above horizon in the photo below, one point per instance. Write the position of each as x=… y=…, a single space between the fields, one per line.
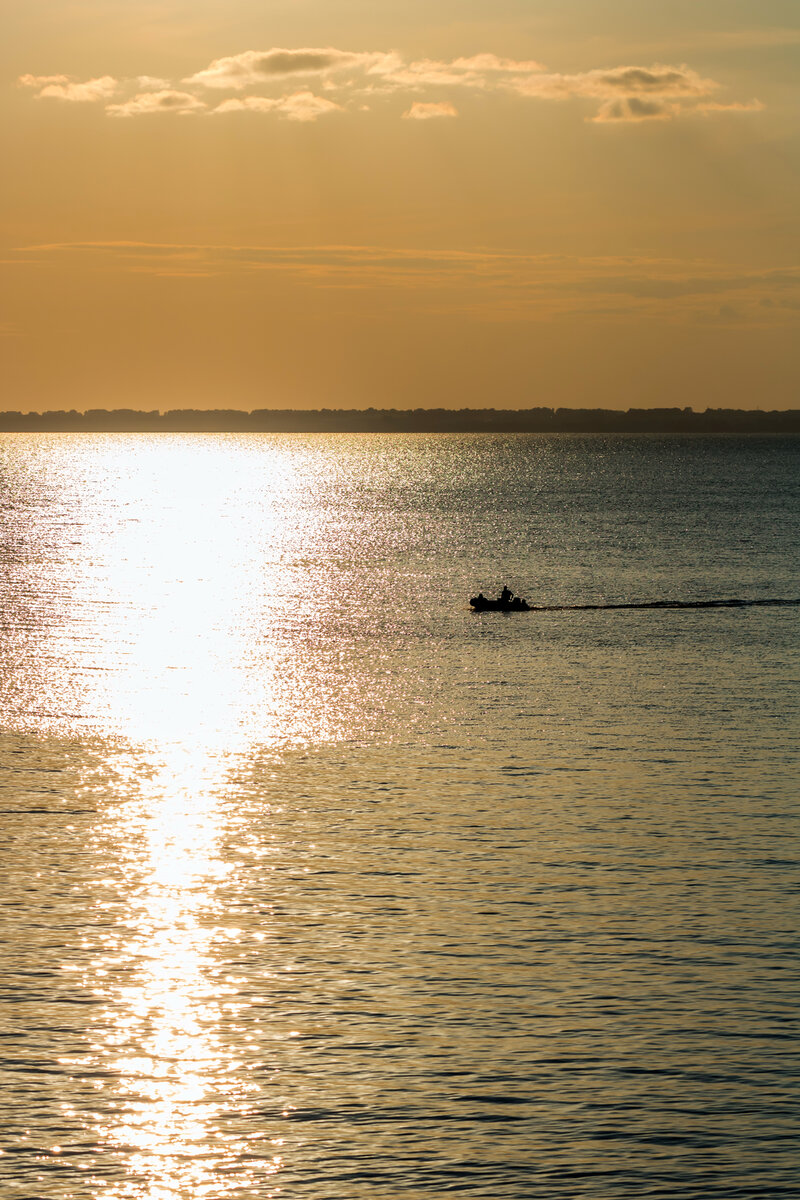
x=561 y=203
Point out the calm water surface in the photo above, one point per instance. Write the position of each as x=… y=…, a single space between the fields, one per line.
x=317 y=885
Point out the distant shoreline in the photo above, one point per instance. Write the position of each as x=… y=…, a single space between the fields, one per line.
x=419 y=420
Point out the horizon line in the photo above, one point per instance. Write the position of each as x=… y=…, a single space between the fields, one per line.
x=539 y=420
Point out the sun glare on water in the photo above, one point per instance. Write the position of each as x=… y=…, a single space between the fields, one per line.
x=170 y=574
x=174 y=580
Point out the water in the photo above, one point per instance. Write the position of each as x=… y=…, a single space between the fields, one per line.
x=318 y=885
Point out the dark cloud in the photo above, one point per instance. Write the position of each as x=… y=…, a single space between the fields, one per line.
x=664 y=81
x=167 y=101
x=634 y=108
x=252 y=67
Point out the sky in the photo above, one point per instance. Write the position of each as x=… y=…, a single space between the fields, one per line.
x=450 y=203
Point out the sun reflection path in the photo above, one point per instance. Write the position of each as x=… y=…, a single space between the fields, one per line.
x=168 y=998
x=177 y=547
x=178 y=582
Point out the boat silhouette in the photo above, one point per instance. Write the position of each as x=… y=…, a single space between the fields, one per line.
x=505 y=602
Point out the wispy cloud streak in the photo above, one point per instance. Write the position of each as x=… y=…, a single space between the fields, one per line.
x=497 y=285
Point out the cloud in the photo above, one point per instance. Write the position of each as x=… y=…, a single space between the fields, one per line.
x=482 y=71
x=630 y=93
x=253 y=67
x=734 y=107
x=61 y=87
x=299 y=106
x=39 y=81
x=305 y=106
x=659 y=80
x=153 y=83
x=420 y=111
x=490 y=62
x=167 y=101
x=634 y=108
x=259 y=104
x=641 y=108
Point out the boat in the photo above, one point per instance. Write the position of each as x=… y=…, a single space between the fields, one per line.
x=481 y=603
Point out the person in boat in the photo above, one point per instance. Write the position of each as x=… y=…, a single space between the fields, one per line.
x=506 y=595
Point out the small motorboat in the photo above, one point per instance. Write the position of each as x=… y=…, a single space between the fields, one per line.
x=505 y=602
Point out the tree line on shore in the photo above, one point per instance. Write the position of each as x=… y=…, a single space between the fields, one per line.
x=417 y=420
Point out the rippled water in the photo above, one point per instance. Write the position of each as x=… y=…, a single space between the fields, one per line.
x=317 y=884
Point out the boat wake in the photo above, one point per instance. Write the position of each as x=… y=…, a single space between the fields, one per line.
x=733 y=603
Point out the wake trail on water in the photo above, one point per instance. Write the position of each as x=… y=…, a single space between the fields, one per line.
x=733 y=603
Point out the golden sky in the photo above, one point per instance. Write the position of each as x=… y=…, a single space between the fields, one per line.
x=484 y=203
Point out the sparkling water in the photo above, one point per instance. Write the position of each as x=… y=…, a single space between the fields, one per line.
x=317 y=884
